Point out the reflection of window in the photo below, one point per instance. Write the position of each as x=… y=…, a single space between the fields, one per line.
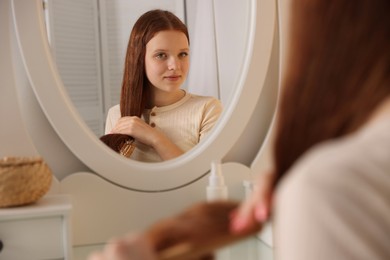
x=88 y=39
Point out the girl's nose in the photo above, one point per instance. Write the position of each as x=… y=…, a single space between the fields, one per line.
x=173 y=64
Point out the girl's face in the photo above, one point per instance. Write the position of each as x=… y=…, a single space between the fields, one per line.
x=167 y=60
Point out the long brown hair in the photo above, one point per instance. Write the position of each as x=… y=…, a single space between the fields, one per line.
x=135 y=85
x=338 y=72
x=200 y=228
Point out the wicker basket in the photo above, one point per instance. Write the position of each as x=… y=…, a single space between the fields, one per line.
x=23 y=180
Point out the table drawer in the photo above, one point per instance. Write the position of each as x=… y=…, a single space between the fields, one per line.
x=32 y=238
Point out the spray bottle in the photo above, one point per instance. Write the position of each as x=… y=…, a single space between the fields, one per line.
x=216 y=189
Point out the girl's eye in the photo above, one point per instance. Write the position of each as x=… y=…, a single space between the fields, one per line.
x=161 y=56
x=183 y=54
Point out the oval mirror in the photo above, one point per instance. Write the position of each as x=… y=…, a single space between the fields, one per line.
x=66 y=120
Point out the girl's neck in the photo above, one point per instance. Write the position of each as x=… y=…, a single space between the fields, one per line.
x=162 y=98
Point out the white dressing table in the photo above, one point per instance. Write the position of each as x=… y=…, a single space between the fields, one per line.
x=42 y=231
x=250 y=249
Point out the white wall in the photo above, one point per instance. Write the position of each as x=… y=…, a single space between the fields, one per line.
x=24 y=129
x=13 y=136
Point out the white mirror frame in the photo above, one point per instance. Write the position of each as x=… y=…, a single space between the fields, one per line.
x=64 y=118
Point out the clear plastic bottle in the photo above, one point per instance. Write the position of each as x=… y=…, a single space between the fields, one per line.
x=216 y=189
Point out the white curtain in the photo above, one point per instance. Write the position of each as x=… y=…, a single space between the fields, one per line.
x=203 y=74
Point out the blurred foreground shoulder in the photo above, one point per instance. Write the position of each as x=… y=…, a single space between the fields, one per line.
x=335 y=202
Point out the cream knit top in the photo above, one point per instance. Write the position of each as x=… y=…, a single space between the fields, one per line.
x=185 y=123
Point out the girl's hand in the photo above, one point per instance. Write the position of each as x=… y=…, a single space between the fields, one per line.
x=148 y=135
x=138 y=129
x=257 y=207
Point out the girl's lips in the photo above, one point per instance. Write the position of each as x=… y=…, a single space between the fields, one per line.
x=176 y=77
